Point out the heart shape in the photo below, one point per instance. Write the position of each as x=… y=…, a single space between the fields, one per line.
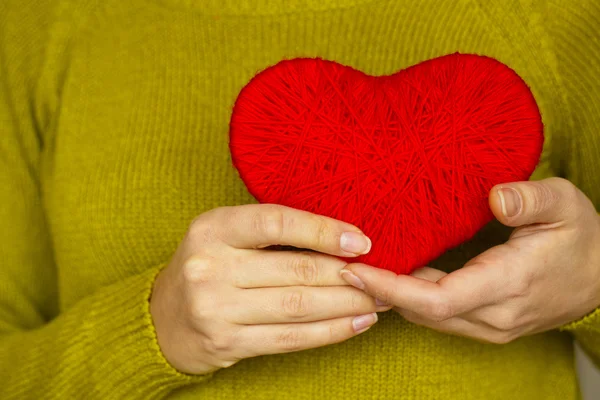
x=409 y=158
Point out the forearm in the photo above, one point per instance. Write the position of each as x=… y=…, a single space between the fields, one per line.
x=103 y=348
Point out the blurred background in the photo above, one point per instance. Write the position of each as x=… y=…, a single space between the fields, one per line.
x=589 y=377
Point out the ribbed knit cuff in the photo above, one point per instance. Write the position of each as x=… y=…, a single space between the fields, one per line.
x=128 y=362
x=588 y=324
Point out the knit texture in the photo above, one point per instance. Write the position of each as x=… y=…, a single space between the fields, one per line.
x=114 y=135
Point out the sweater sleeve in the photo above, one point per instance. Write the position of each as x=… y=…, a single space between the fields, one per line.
x=575 y=32
x=105 y=346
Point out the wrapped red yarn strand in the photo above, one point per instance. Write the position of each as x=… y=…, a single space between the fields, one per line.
x=409 y=158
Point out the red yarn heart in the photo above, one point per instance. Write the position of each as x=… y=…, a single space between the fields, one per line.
x=409 y=158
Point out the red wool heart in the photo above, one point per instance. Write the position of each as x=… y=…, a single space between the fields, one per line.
x=409 y=158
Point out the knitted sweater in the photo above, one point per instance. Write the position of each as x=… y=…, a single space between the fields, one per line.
x=114 y=135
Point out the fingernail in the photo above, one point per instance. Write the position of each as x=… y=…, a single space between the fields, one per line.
x=355 y=242
x=380 y=302
x=511 y=202
x=352 y=279
x=362 y=323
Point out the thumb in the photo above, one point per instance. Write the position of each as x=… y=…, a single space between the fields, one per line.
x=522 y=203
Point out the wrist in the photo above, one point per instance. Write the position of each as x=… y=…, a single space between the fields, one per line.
x=176 y=339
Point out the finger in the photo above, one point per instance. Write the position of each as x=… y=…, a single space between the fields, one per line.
x=508 y=316
x=426 y=273
x=286 y=338
x=522 y=203
x=461 y=327
x=262 y=225
x=263 y=268
x=298 y=304
x=429 y=274
x=471 y=287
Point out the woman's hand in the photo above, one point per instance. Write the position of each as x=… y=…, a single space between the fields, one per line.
x=222 y=299
x=546 y=275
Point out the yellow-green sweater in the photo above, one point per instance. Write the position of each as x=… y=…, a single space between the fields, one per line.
x=114 y=135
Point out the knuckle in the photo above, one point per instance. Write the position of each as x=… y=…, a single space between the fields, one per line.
x=384 y=295
x=559 y=193
x=268 y=223
x=202 y=309
x=520 y=288
x=295 y=304
x=333 y=333
x=570 y=191
x=572 y=198
x=357 y=301
x=203 y=220
x=543 y=197
x=222 y=344
x=505 y=321
x=305 y=268
x=381 y=294
x=202 y=229
x=198 y=269
x=290 y=339
x=323 y=232
x=566 y=187
x=438 y=310
x=197 y=225
x=218 y=344
x=198 y=221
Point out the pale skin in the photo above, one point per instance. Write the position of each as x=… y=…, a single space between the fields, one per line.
x=546 y=275
x=224 y=298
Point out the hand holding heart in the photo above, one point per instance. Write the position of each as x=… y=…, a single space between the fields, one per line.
x=224 y=297
x=410 y=158
x=546 y=275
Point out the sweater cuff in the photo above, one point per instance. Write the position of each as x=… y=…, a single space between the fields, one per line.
x=587 y=324
x=131 y=359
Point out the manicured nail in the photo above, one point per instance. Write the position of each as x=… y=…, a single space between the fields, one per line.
x=511 y=202
x=355 y=242
x=362 y=323
x=352 y=279
x=380 y=302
